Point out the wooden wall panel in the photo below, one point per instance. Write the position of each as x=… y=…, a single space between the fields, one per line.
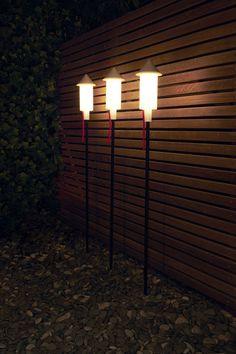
x=193 y=140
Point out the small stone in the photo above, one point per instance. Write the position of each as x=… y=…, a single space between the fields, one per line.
x=87 y=328
x=38 y=320
x=129 y=333
x=84 y=299
x=37 y=309
x=185 y=298
x=77 y=269
x=65 y=317
x=46 y=335
x=164 y=328
x=209 y=342
x=49 y=346
x=164 y=345
x=29 y=313
x=142 y=313
x=42 y=259
x=189 y=348
x=226 y=314
x=224 y=337
x=181 y=320
x=30 y=346
x=196 y=330
x=129 y=314
x=56 y=285
x=103 y=305
x=2 y=346
x=156 y=280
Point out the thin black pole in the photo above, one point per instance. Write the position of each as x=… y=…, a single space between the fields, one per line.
x=87 y=186
x=112 y=193
x=146 y=229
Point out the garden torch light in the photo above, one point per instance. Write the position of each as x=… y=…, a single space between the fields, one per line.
x=85 y=99
x=113 y=103
x=148 y=89
x=113 y=92
x=148 y=96
x=86 y=105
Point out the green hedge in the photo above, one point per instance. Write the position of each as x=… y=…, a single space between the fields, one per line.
x=31 y=35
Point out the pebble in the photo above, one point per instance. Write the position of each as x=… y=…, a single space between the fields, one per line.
x=87 y=328
x=209 y=342
x=181 y=320
x=156 y=280
x=185 y=298
x=46 y=335
x=196 y=330
x=29 y=313
x=189 y=348
x=84 y=299
x=129 y=314
x=64 y=317
x=56 y=285
x=49 y=346
x=30 y=347
x=38 y=320
x=104 y=305
x=85 y=309
x=129 y=333
x=164 y=328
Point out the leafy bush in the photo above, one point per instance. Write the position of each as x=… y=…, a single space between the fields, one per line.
x=31 y=34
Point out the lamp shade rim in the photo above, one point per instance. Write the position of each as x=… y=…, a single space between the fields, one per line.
x=86 y=81
x=157 y=73
x=149 y=68
x=113 y=75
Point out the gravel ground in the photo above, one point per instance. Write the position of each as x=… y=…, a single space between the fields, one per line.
x=55 y=298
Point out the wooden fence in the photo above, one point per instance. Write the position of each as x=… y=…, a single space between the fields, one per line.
x=193 y=135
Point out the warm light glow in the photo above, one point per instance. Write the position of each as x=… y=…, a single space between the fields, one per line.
x=148 y=94
x=113 y=96
x=148 y=89
x=86 y=95
x=113 y=92
x=86 y=100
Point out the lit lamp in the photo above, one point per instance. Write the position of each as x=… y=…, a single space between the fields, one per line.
x=86 y=105
x=113 y=92
x=113 y=103
x=148 y=96
x=148 y=89
x=86 y=96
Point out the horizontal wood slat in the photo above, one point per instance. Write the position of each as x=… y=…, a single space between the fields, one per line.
x=192 y=140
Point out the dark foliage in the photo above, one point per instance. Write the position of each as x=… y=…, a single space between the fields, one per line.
x=31 y=34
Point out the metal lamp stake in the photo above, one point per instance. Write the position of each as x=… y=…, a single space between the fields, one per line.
x=86 y=187
x=86 y=106
x=146 y=226
x=112 y=192
x=148 y=93
x=113 y=103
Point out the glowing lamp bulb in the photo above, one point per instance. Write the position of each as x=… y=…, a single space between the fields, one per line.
x=113 y=92
x=148 y=89
x=86 y=95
